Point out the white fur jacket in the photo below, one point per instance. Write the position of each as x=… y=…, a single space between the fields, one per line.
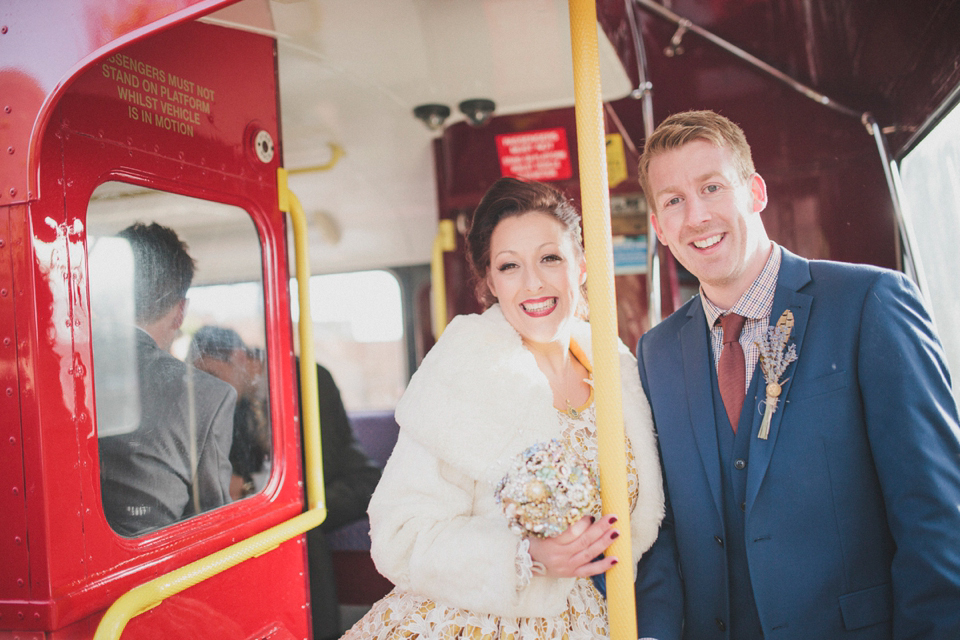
x=476 y=402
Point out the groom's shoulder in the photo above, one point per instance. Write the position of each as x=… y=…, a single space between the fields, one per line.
x=668 y=329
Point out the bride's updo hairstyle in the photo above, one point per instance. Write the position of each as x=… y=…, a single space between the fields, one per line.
x=512 y=197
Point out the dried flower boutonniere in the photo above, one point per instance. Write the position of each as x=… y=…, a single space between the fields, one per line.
x=775 y=355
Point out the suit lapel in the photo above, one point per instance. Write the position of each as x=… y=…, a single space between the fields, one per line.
x=696 y=372
x=794 y=274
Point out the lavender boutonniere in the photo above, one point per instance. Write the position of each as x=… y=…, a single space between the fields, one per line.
x=775 y=356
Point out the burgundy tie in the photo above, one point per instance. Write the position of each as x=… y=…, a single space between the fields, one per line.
x=732 y=372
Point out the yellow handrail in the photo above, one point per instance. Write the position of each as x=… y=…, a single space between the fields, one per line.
x=336 y=153
x=150 y=594
x=445 y=240
x=603 y=316
x=308 y=366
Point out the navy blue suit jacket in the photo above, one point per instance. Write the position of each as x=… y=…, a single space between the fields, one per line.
x=852 y=515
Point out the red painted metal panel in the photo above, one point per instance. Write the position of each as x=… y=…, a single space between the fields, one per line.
x=15 y=578
x=265 y=597
x=45 y=44
x=218 y=85
x=160 y=99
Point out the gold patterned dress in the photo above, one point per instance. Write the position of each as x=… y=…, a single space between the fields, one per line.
x=402 y=614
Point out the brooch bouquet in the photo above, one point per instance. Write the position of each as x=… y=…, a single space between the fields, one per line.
x=548 y=488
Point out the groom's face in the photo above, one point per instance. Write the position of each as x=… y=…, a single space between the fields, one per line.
x=707 y=214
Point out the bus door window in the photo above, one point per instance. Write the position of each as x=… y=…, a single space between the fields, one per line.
x=180 y=381
x=930 y=175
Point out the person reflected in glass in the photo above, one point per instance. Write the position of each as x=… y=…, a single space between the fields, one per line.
x=221 y=352
x=175 y=463
x=496 y=387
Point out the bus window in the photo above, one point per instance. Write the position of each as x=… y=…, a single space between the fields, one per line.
x=180 y=379
x=930 y=175
x=358 y=335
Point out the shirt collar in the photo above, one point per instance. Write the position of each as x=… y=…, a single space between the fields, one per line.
x=757 y=301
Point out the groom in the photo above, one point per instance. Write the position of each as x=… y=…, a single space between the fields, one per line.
x=812 y=471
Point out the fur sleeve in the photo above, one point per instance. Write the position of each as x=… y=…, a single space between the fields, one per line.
x=427 y=539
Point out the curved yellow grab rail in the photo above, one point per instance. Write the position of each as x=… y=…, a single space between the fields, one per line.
x=148 y=595
x=603 y=314
x=445 y=240
x=336 y=153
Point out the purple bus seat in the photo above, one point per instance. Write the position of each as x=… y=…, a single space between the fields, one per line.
x=377 y=433
x=358 y=582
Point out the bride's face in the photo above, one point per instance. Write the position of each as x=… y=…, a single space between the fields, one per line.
x=535 y=273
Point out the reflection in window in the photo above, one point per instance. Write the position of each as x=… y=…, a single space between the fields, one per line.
x=930 y=176
x=181 y=397
x=358 y=335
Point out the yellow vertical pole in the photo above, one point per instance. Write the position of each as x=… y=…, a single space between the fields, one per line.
x=445 y=240
x=603 y=316
x=309 y=400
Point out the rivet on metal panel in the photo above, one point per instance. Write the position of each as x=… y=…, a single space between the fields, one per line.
x=13 y=191
x=8 y=109
x=15 y=491
x=20 y=583
x=17 y=541
x=10 y=150
x=3 y=293
x=9 y=391
x=3 y=29
x=6 y=342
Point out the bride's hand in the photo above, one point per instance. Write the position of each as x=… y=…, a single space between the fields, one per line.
x=572 y=553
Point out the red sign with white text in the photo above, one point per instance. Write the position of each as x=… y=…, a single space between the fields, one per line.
x=536 y=155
